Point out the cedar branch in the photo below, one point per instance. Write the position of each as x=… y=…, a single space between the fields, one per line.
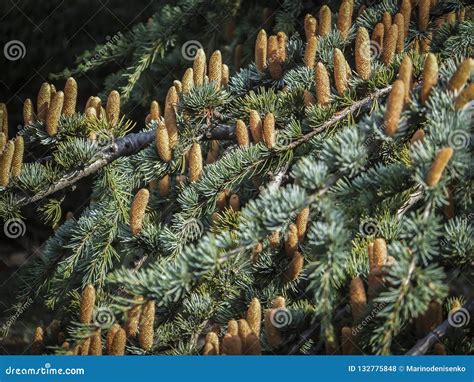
x=423 y=345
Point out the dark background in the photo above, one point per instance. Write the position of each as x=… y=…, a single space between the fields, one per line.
x=54 y=33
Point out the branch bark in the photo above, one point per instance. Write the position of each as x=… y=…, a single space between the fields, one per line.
x=125 y=146
x=221 y=133
x=423 y=345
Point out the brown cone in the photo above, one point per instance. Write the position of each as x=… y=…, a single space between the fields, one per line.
x=162 y=142
x=199 y=67
x=118 y=343
x=340 y=71
x=195 y=162
x=241 y=133
x=310 y=51
x=146 y=330
x=261 y=50
x=405 y=74
x=362 y=54
x=344 y=18
x=462 y=74
x=87 y=304
x=137 y=211
x=390 y=44
x=215 y=68
x=294 y=268
x=358 y=298
x=325 y=17
x=323 y=88
x=95 y=347
x=255 y=124
x=254 y=315
x=54 y=113
x=37 y=345
x=439 y=164
x=430 y=76
x=269 y=130
x=44 y=98
x=70 y=97
x=310 y=26
x=394 y=107
x=112 y=110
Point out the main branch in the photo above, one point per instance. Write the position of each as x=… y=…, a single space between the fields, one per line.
x=125 y=146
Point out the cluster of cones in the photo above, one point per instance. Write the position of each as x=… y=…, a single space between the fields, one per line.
x=290 y=245
x=259 y=132
x=243 y=336
x=400 y=95
x=11 y=151
x=138 y=324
